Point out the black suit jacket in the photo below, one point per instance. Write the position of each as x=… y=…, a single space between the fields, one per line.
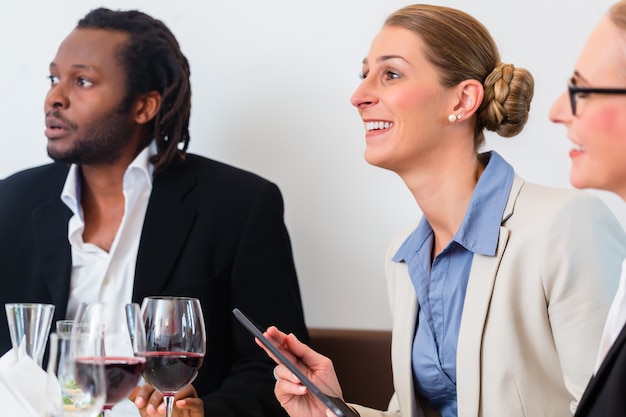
x=211 y=231
x=605 y=394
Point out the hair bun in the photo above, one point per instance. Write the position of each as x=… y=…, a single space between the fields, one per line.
x=508 y=93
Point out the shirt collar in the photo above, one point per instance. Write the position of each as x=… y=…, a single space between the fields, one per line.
x=141 y=163
x=480 y=228
x=70 y=195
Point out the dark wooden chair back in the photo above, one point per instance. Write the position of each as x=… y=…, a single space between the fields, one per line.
x=362 y=360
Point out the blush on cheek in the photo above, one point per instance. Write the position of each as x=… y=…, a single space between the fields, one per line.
x=609 y=122
x=409 y=101
x=601 y=132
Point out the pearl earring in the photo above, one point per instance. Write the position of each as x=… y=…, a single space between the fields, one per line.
x=454 y=117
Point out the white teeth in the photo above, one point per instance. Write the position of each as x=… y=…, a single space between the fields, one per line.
x=377 y=125
x=577 y=147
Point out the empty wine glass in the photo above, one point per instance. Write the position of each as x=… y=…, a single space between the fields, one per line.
x=121 y=329
x=175 y=344
x=76 y=382
x=29 y=326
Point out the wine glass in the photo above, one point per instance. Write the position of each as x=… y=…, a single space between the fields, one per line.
x=175 y=344
x=76 y=385
x=121 y=329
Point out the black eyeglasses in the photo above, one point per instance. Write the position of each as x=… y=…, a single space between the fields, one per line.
x=576 y=92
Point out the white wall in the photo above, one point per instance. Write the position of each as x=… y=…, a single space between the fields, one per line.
x=271 y=85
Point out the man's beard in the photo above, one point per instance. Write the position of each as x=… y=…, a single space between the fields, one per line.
x=99 y=142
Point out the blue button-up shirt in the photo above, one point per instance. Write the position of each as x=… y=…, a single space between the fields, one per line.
x=441 y=286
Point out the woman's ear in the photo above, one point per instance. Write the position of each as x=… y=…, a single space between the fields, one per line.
x=468 y=98
x=146 y=107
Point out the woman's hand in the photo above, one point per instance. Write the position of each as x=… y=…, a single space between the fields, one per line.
x=292 y=395
x=150 y=402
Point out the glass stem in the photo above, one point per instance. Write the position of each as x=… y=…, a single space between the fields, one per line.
x=169 y=405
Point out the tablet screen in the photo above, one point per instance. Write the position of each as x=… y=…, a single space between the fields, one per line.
x=337 y=406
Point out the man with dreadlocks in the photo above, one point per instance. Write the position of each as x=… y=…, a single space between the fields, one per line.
x=124 y=212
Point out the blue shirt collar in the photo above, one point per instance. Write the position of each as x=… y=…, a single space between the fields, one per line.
x=480 y=228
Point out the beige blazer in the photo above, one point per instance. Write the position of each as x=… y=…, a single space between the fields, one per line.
x=533 y=313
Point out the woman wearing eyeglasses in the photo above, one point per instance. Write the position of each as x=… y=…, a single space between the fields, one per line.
x=594 y=112
x=499 y=294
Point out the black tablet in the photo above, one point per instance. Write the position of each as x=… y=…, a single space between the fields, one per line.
x=335 y=404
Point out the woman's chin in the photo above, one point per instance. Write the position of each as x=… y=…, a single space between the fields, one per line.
x=581 y=181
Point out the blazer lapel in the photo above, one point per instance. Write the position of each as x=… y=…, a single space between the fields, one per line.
x=405 y=313
x=49 y=223
x=165 y=230
x=475 y=308
x=477 y=298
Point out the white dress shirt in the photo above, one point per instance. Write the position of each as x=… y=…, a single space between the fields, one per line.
x=98 y=275
x=615 y=320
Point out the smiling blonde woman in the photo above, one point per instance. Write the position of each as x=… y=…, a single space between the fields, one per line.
x=498 y=295
x=594 y=112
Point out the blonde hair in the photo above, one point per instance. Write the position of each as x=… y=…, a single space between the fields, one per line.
x=461 y=48
x=617 y=14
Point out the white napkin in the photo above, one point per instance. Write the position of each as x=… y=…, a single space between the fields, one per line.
x=23 y=386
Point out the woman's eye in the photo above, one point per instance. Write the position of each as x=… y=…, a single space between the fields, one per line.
x=363 y=75
x=391 y=75
x=83 y=82
x=53 y=79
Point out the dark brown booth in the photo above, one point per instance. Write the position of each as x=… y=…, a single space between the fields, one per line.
x=362 y=360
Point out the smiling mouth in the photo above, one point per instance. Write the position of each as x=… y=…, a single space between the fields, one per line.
x=577 y=147
x=377 y=125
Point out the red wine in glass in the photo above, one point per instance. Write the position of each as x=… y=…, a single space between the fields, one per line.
x=169 y=372
x=122 y=376
x=88 y=374
x=120 y=329
x=175 y=344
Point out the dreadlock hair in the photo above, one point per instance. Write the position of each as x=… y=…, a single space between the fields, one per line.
x=153 y=61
